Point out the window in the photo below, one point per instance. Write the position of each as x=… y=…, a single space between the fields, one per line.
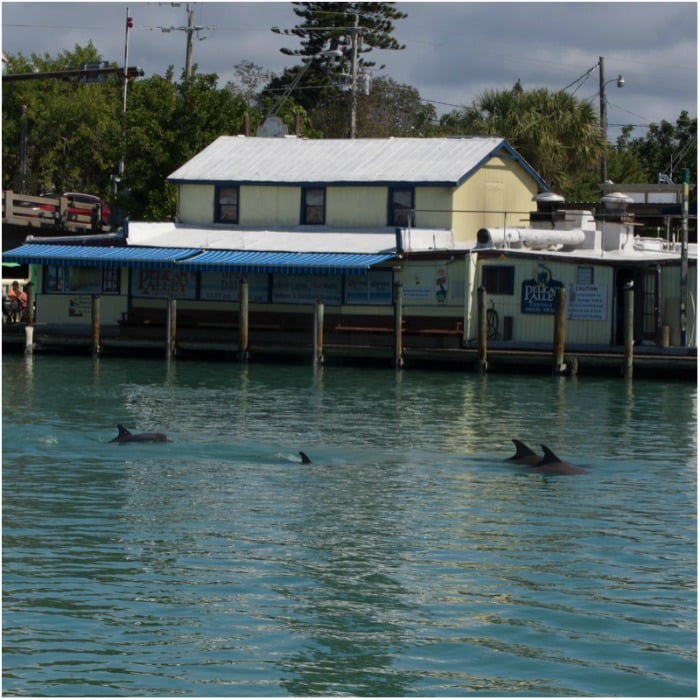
x=498 y=279
x=313 y=205
x=81 y=280
x=584 y=275
x=401 y=207
x=226 y=205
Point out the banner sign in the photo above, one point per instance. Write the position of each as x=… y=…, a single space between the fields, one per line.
x=164 y=283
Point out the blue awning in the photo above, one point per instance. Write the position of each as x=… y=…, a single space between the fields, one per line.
x=289 y=262
x=97 y=256
x=194 y=259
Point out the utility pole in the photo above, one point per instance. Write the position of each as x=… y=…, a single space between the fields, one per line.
x=190 y=28
x=603 y=120
x=129 y=25
x=190 y=32
x=604 y=115
x=355 y=33
x=684 y=259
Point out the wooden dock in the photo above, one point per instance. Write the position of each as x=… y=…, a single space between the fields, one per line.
x=345 y=346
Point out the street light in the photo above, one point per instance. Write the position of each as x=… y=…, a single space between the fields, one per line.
x=604 y=115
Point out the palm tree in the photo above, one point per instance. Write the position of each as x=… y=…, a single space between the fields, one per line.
x=556 y=133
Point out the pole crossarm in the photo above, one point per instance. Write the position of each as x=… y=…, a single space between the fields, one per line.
x=76 y=75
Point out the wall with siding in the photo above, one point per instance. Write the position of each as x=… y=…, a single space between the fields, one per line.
x=499 y=186
x=528 y=327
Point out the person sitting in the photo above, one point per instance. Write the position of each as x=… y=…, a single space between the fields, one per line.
x=17 y=303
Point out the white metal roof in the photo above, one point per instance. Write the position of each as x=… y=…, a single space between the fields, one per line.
x=292 y=160
x=301 y=239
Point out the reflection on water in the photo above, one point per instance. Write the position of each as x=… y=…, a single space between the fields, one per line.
x=407 y=559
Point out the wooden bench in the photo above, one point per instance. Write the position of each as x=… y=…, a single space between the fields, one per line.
x=360 y=323
x=423 y=325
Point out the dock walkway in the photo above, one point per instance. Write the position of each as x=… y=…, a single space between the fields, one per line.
x=342 y=347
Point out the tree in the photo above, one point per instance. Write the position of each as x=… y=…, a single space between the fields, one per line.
x=335 y=26
x=249 y=81
x=71 y=128
x=391 y=109
x=667 y=149
x=556 y=133
x=168 y=123
x=78 y=133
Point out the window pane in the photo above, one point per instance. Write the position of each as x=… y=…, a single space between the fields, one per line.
x=498 y=279
x=314 y=211
x=227 y=205
x=401 y=207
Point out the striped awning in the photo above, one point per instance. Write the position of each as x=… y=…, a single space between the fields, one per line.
x=284 y=262
x=194 y=259
x=97 y=256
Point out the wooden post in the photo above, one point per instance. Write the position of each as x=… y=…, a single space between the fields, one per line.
x=95 y=346
x=482 y=327
x=629 y=330
x=318 y=332
x=29 y=324
x=171 y=330
x=29 y=289
x=243 y=321
x=398 y=325
x=558 y=366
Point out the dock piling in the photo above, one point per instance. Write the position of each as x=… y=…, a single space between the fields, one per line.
x=482 y=361
x=628 y=368
x=398 y=325
x=171 y=330
x=29 y=327
x=243 y=321
x=318 y=332
x=95 y=317
x=559 y=366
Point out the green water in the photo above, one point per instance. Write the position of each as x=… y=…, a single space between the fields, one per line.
x=407 y=560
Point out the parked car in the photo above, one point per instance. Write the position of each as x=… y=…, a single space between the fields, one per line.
x=80 y=208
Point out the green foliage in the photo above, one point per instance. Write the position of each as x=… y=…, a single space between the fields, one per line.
x=556 y=133
x=331 y=26
x=78 y=133
x=391 y=109
x=665 y=149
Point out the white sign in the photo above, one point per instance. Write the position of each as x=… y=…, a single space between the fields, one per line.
x=587 y=302
x=225 y=286
x=306 y=289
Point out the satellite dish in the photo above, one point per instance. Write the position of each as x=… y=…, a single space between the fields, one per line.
x=272 y=127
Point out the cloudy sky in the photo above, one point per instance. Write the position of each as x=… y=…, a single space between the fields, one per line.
x=454 y=50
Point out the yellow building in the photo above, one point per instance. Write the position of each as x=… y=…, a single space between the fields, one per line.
x=354 y=223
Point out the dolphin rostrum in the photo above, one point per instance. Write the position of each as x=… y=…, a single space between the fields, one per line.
x=126 y=436
x=551 y=464
x=304 y=458
x=524 y=455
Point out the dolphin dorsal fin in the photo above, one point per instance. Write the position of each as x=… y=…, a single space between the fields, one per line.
x=521 y=449
x=304 y=458
x=122 y=430
x=549 y=456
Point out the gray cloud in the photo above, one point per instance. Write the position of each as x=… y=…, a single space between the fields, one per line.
x=454 y=50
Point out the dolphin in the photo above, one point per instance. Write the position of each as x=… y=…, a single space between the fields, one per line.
x=304 y=458
x=551 y=464
x=524 y=455
x=126 y=436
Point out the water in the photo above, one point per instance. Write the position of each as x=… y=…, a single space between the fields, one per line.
x=407 y=560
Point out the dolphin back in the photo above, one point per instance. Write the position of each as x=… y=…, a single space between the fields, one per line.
x=521 y=450
x=549 y=456
x=123 y=433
